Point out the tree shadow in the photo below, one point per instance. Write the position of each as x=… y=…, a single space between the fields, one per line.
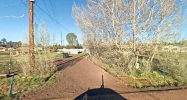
x=64 y=64
x=60 y=65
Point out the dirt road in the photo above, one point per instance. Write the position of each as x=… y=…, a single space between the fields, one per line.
x=82 y=80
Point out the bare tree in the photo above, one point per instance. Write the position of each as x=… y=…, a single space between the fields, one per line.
x=44 y=58
x=136 y=26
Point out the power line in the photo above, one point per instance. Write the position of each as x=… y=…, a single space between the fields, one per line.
x=53 y=10
x=51 y=17
x=23 y=3
x=37 y=17
x=50 y=14
x=45 y=13
x=46 y=7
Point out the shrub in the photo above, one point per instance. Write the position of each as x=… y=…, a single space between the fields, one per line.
x=175 y=64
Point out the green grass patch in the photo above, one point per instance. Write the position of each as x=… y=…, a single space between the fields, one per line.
x=4 y=53
x=169 y=70
x=136 y=84
x=4 y=59
x=4 y=66
x=23 y=85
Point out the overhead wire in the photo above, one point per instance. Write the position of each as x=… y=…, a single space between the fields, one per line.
x=46 y=7
x=51 y=17
x=53 y=10
x=45 y=13
x=53 y=6
x=50 y=14
x=23 y=3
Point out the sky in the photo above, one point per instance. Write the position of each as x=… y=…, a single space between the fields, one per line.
x=14 y=19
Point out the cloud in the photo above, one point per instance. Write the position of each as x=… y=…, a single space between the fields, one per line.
x=13 y=16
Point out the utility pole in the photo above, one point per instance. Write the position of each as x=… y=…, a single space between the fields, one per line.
x=61 y=38
x=63 y=42
x=53 y=39
x=31 y=36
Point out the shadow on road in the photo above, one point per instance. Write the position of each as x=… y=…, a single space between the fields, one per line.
x=100 y=94
x=60 y=64
x=63 y=65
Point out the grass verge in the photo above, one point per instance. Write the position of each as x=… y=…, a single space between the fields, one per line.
x=137 y=80
x=23 y=85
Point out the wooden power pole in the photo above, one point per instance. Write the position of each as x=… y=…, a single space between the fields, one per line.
x=31 y=36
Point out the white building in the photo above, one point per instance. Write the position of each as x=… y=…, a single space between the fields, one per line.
x=70 y=51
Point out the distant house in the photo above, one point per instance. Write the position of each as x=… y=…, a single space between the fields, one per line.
x=3 y=49
x=184 y=49
x=22 y=50
x=12 y=45
x=171 y=48
x=175 y=49
x=70 y=51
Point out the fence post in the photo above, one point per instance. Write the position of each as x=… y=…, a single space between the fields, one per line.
x=164 y=73
x=11 y=85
